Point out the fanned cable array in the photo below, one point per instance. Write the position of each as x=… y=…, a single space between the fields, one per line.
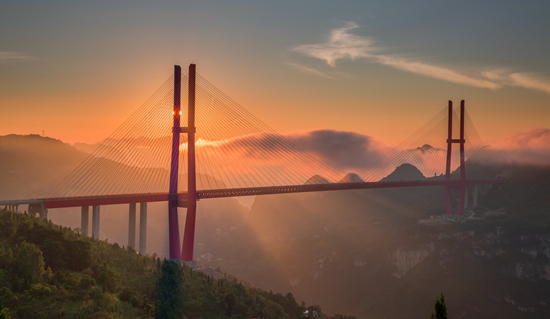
x=426 y=149
x=134 y=159
x=234 y=149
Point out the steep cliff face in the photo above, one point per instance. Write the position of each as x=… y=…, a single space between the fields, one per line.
x=389 y=254
x=405 y=260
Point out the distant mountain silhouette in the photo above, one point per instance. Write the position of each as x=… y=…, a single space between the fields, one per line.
x=31 y=165
x=351 y=178
x=317 y=179
x=404 y=172
x=85 y=147
x=427 y=148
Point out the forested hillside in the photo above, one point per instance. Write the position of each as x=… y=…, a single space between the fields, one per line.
x=49 y=271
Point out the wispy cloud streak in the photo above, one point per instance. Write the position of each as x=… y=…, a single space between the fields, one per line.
x=305 y=69
x=518 y=79
x=434 y=71
x=6 y=56
x=343 y=45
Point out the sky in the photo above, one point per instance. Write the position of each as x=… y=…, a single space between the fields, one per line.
x=76 y=70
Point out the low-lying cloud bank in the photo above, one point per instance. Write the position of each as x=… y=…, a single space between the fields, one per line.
x=267 y=159
x=340 y=150
x=529 y=147
x=323 y=152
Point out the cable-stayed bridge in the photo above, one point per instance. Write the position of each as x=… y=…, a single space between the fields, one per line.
x=222 y=150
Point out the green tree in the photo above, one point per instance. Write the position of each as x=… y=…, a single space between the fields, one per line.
x=170 y=291
x=7 y=298
x=5 y=313
x=28 y=264
x=440 y=309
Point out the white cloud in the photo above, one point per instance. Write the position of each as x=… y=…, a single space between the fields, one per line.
x=435 y=72
x=8 y=56
x=343 y=45
x=305 y=69
x=340 y=45
x=529 y=82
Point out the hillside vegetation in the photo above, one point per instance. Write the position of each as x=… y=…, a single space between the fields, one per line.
x=49 y=271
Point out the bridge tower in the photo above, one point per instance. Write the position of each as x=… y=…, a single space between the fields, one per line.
x=173 y=200
x=460 y=141
x=173 y=224
x=189 y=233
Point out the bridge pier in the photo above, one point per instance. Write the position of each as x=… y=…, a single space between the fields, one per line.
x=84 y=220
x=34 y=209
x=474 y=190
x=14 y=208
x=132 y=225
x=43 y=215
x=95 y=222
x=142 y=228
x=474 y=203
x=466 y=198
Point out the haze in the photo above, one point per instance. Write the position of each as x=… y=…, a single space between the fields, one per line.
x=77 y=70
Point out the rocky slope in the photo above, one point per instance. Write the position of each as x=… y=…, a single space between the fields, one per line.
x=389 y=253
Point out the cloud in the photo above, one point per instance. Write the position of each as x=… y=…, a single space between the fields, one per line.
x=300 y=155
x=6 y=56
x=434 y=71
x=341 y=44
x=529 y=147
x=305 y=69
x=529 y=81
x=271 y=159
x=518 y=79
x=340 y=150
x=535 y=138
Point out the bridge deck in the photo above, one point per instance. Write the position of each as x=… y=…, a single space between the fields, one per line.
x=64 y=202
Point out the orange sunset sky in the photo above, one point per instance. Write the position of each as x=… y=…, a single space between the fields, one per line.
x=77 y=70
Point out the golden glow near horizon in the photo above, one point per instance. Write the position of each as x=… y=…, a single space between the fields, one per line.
x=342 y=71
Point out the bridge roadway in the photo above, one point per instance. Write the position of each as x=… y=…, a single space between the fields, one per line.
x=64 y=202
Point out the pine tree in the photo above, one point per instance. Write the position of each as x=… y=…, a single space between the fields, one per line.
x=440 y=309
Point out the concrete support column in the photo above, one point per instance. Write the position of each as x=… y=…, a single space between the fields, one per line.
x=95 y=222
x=84 y=220
x=142 y=228
x=466 y=198
x=43 y=214
x=474 y=204
x=132 y=225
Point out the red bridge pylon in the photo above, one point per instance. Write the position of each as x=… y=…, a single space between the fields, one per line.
x=450 y=141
